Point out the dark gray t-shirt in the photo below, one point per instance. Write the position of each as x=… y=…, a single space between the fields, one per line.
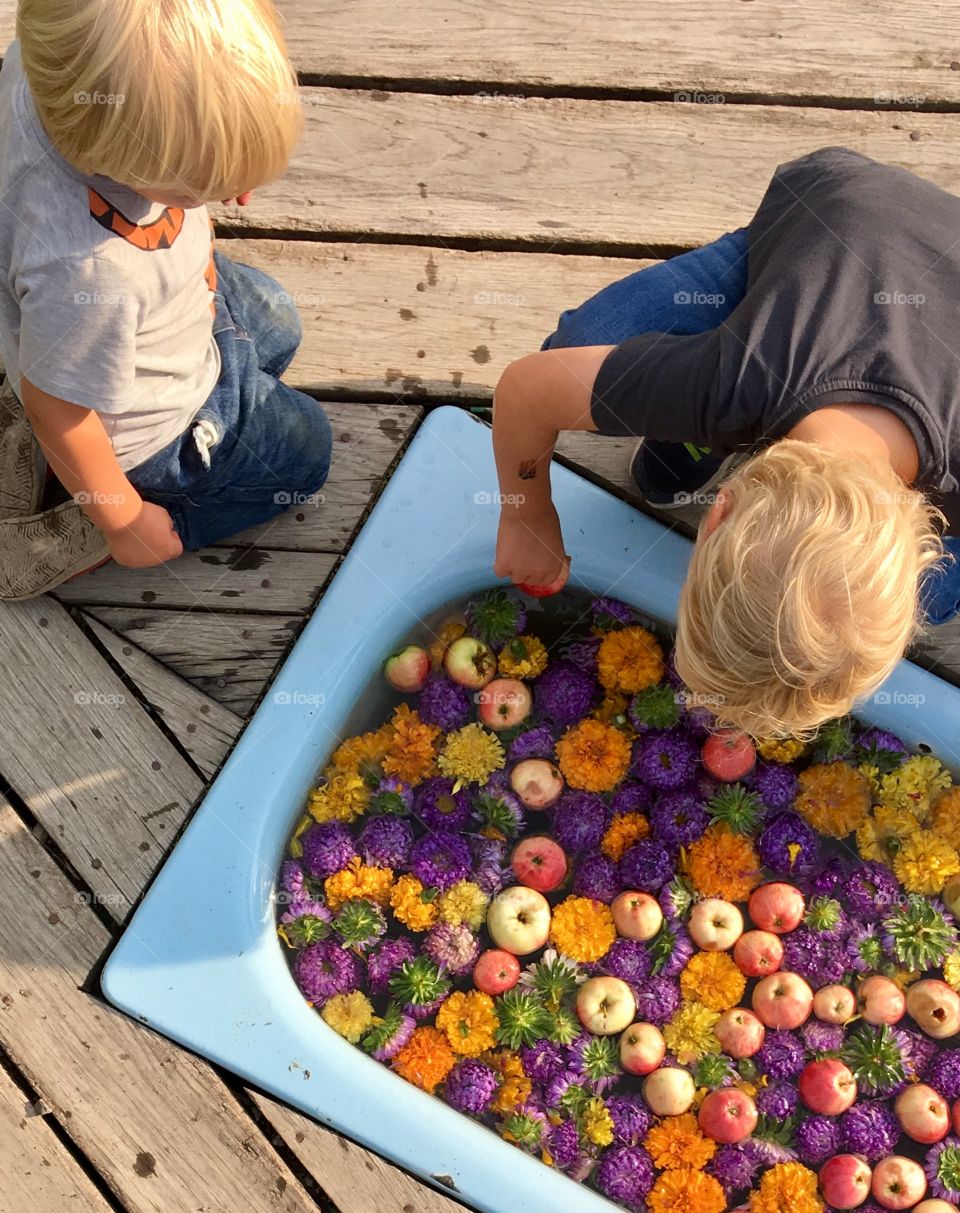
x=853 y=295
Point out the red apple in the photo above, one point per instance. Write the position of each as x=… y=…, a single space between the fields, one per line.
x=728 y=755
x=503 y=703
x=935 y=1008
x=834 y=1004
x=470 y=662
x=715 y=925
x=496 y=971
x=407 y=670
x=537 y=782
x=782 y=1000
x=641 y=1048
x=845 y=1181
x=636 y=915
x=605 y=1005
x=740 y=1032
x=728 y=1115
x=898 y=1182
x=758 y=953
x=545 y=591
x=518 y=920
x=934 y=1205
x=776 y=907
x=923 y=1114
x=881 y=1000
x=827 y=1086
x=956 y=1116
x=539 y=863
x=669 y=1091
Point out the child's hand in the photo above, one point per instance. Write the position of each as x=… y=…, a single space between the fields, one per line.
x=149 y=540
x=240 y=200
x=530 y=549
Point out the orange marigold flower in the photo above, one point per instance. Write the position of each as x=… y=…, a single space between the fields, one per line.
x=834 y=798
x=411 y=751
x=945 y=817
x=713 y=979
x=364 y=750
x=358 y=880
x=723 y=864
x=583 y=929
x=593 y=756
x=780 y=749
x=613 y=706
x=470 y=1022
x=622 y=833
x=789 y=1187
x=685 y=1190
x=515 y=1087
x=426 y=1059
x=676 y=1141
x=629 y=659
x=410 y=907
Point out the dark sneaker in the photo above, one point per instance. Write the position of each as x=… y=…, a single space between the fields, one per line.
x=22 y=465
x=40 y=552
x=673 y=475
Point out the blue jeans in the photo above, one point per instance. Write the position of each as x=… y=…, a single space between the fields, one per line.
x=256 y=446
x=689 y=294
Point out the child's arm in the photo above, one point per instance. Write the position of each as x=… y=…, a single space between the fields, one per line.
x=536 y=397
x=139 y=533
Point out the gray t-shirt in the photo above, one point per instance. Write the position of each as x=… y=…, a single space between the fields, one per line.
x=853 y=294
x=105 y=298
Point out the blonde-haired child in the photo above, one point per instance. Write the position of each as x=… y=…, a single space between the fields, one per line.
x=148 y=363
x=815 y=346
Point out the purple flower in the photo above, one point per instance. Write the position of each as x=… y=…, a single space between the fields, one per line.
x=291 y=880
x=537 y=742
x=658 y=999
x=788 y=846
x=397 y=1038
x=439 y=807
x=582 y=653
x=597 y=877
x=441 y=859
x=327 y=848
x=324 y=969
x=733 y=1168
x=865 y=948
x=820 y=961
x=391 y=796
x=678 y=819
x=609 y=611
x=646 y=866
x=943 y=1073
x=829 y=879
x=820 y=1037
x=629 y=960
x=555 y=1088
x=870 y=891
x=543 y=1060
x=625 y=1174
x=877 y=747
x=775 y=784
x=454 y=948
x=564 y=694
x=631 y=1119
x=781 y=1055
x=631 y=798
x=778 y=1100
x=491 y=870
x=942 y=1165
x=870 y=1128
x=470 y=1086
x=665 y=760
x=386 y=841
x=817 y=1138
x=385 y=961
x=579 y=821
x=562 y=1143
x=917 y=1052
x=444 y=703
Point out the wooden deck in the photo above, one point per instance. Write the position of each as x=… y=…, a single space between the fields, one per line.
x=470 y=168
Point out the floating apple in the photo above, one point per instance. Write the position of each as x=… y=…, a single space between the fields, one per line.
x=545 y=591
x=934 y=1007
x=827 y=1086
x=728 y=755
x=898 y=1182
x=777 y=907
x=470 y=662
x=881 y=1000
x=758 y=953
x=636 y=915
x=728 y=1115
x=518 y=920
x=641 y=1048
x=923 y=1113
x=845 y=1181
x=496 y=971
x=956 y=1116
x=503 y=703
x=740 y=1032
x=407 y=670
x=834 y=1004
x=935 y=1205
x=669 y=1091
x=715 y=925
x=540 y=863
x=605 y=1005
x=537 y=782
x=782 y=1000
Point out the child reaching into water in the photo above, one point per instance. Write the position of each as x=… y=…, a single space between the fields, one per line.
x=148 y=364
x=817 y=346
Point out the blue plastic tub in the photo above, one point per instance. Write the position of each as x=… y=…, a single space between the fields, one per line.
x=200 y=960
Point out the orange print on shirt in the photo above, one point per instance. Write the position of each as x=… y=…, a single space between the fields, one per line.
x=160 y=234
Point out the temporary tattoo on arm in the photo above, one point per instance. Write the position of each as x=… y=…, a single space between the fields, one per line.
x=528 y=469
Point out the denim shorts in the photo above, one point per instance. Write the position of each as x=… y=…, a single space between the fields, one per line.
x=256 y=446
x=692 y=293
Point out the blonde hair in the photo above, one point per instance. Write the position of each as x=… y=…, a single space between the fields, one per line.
x=804 y=597
x=195 y=98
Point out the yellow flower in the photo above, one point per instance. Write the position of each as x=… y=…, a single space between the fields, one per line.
x=597 y=1123
x=522 y=657
x=884 y=832
x=348 y=1014
x=951 y=969
x=622 y=833
x=426 y=1059
x=780 y=749
x=689 y=1034
x=723 y=864
x=296 y=847
x=464 y=902
x=367 y=749
x=614 y=705
x=470 y=1022
x=583 y=929
x=593 y=756
x=450 y=630
x=676 y=1141
x=713 y=979
x=411 y=752
x=358 y=880
x=688 y=1191
x=834 y=798
x=629 y=659
x=515 y=1086
x=789 y=1187
x=913 y=785
x=342 y=797
x=409 y=907
x=925 y=862
x=945 y=816
x=470 y=755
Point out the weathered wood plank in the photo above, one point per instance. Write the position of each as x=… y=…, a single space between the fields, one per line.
x=557 y=171
x=155 y=1121
x=204 y=727
x=36 y=1171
